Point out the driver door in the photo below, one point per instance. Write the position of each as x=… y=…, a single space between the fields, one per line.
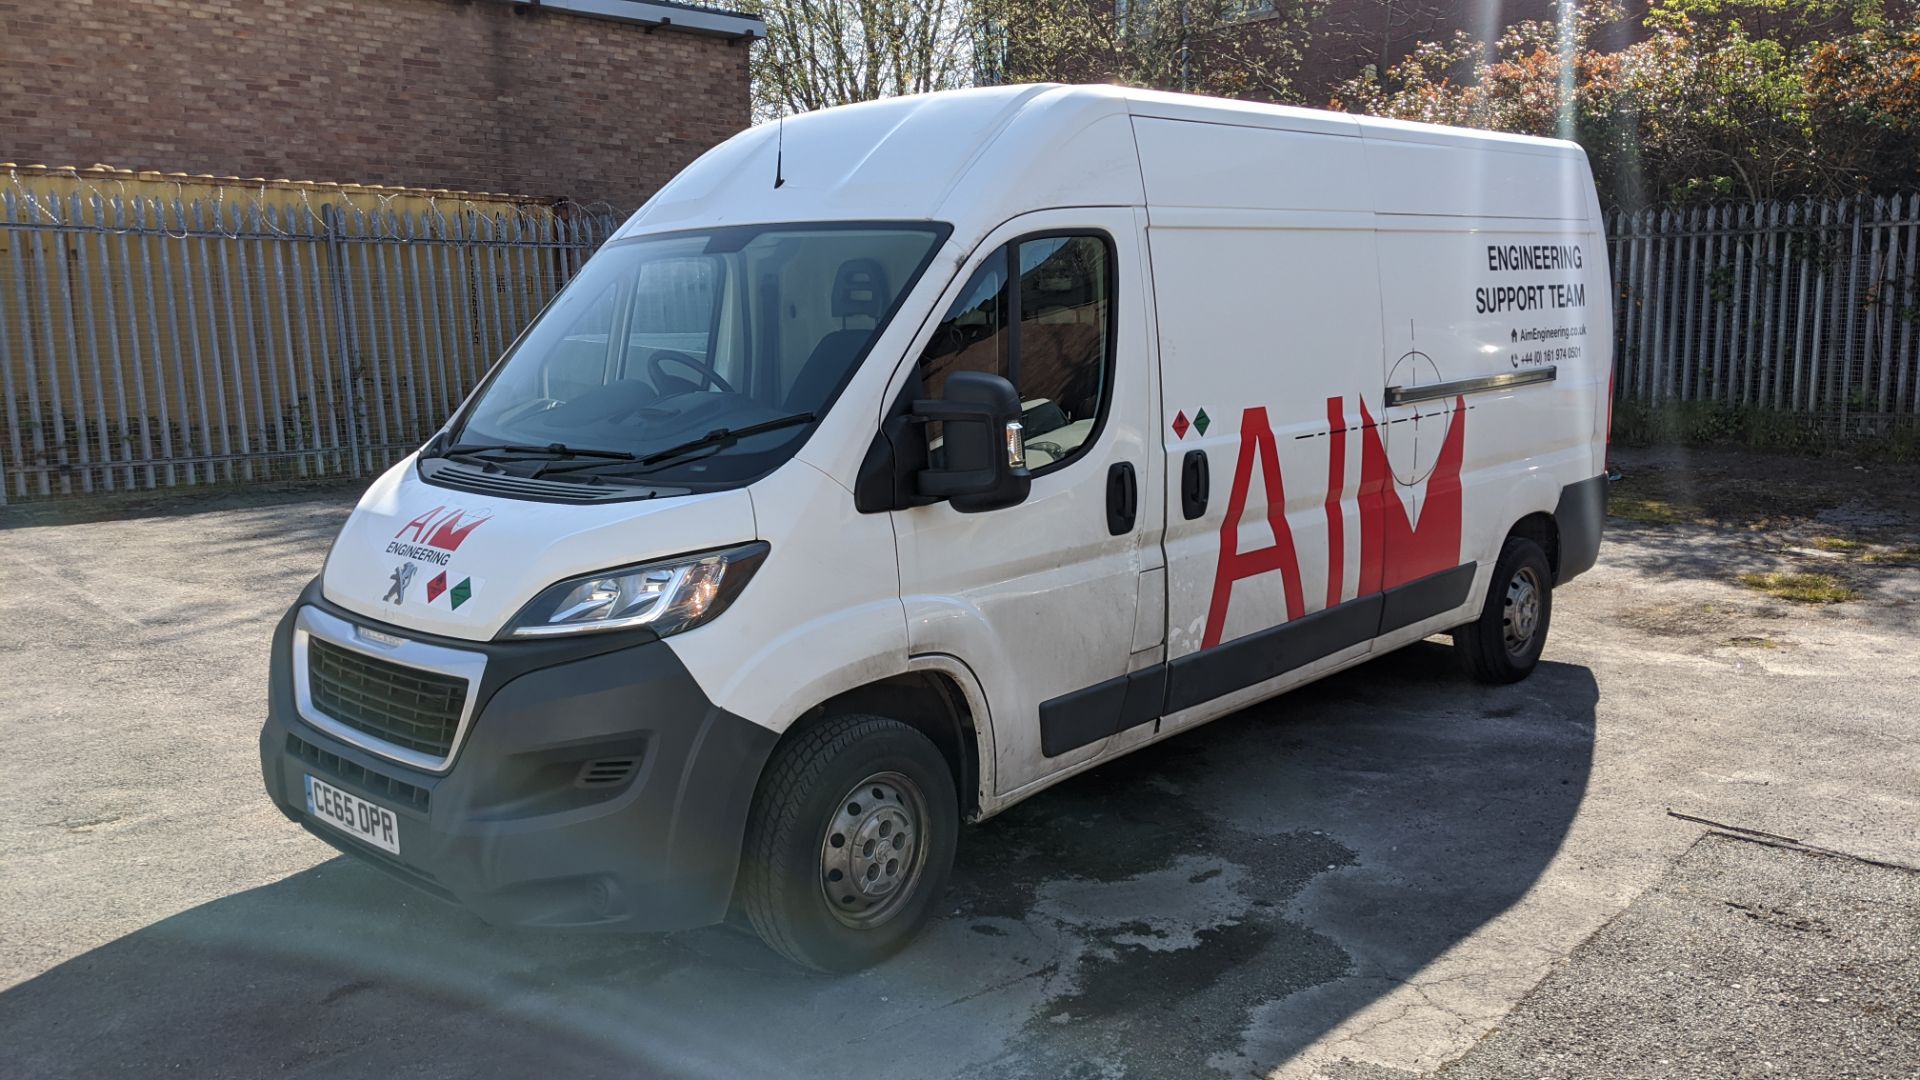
x=1044 y=599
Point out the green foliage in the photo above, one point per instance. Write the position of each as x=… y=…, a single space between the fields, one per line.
x=1227 y=48
x=1708 y=423
x=1750 y=99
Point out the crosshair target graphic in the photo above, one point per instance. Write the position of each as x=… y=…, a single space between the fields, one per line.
x=1414 y=433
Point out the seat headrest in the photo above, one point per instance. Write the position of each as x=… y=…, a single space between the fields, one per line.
x=860 y=288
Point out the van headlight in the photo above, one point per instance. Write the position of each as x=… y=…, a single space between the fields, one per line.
x=667 y=596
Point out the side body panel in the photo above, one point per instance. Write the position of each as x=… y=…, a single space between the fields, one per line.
x=1268 y=308
x=1492 y=265
x=821 y=616
x=1467 y=466
x=1040 y=600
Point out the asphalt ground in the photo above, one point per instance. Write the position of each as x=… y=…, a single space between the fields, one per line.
x=1376 y=876
x=1747 y=959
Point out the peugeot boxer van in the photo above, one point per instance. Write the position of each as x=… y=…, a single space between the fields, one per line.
x=900 y=460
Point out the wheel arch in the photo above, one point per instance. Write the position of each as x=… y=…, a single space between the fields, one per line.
x=938 y=697
x=1541 y=528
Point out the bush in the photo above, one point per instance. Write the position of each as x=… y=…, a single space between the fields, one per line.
x=1753 y=427
x=1750 y=99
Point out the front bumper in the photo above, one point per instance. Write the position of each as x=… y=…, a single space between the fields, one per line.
x=509 y=830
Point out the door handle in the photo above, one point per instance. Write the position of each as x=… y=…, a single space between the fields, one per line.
x=1195 y=480
x=1123 y=498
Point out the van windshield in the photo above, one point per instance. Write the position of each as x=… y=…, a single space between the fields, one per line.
x=702 y=358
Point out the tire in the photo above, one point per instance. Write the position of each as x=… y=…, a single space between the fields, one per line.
x=1503 y=645
x=854 y=798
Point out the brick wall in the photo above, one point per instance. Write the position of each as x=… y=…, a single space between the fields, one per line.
x=466 y=94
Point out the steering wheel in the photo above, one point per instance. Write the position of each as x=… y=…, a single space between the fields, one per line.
x=656 y=369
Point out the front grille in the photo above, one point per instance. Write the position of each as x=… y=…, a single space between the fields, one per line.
x=402 y=706
x=340 y=768
x=605 y=772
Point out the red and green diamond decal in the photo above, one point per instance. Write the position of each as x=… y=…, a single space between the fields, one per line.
x=1181 y=423
x=456 y=596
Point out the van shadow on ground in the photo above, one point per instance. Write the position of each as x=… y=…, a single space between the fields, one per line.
x=1153 y=918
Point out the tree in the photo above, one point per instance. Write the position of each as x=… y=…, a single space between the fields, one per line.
x=1869 y=84
x=820 y=53
x=1230 y=48
x=1756 y=99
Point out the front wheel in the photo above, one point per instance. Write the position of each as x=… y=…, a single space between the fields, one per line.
x=1503 y=645
x=849 y=842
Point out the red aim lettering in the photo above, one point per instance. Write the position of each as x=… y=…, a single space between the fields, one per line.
x=441 y=528
x=1393 y=549
x=418 y=526
x=451 y=533
x=1256 y=442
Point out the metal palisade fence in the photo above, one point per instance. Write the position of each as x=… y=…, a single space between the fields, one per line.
x=159 y=332
x=1807 y=309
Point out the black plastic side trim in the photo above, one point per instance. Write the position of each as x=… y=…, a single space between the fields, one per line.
x=1581 y=517
x=1428 y=596
x=1083 y=716
x=1106 y=708
x=1146 y=697
x=1264 y=654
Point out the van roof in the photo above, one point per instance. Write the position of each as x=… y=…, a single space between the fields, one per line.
x=983 y=155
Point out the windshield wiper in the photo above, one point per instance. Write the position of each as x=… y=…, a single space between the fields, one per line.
x=716 y=437
x=559 y=450
x=722 y=436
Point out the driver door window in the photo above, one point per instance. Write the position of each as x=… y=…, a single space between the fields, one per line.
x=1058 y=351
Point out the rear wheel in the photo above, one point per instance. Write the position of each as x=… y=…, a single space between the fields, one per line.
x=849 y=842
x=1503 y=645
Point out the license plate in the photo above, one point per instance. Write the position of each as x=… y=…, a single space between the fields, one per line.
x=353 y=815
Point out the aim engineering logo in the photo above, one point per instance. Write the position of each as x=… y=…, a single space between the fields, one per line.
x=432 y=538
x=441 y=527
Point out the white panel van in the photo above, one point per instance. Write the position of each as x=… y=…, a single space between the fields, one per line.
x=900 y=460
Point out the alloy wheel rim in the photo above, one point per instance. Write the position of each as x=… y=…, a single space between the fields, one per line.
x=873 y=850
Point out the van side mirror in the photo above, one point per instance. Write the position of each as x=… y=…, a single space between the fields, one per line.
x=983 y=446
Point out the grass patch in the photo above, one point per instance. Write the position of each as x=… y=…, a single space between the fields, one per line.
x=1749 y=641
x=1643 y=509
x=1905 y=556
x=1801 y=588
x=1836 y=543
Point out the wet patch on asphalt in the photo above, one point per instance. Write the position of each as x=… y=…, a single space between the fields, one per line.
x=1163 y=924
